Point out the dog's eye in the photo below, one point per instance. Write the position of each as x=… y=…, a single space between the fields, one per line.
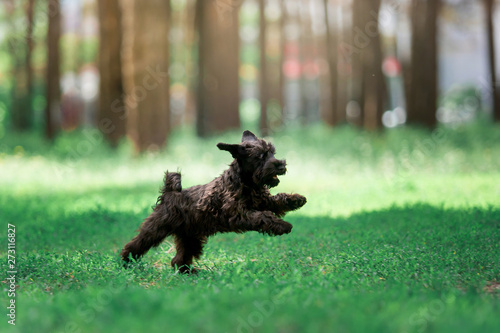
x=261 y=156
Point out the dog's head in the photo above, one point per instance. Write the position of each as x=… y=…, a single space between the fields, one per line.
x=256 y=160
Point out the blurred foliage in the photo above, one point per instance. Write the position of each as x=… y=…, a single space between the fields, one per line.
x=319 y=142
x=77 y=51
x=12 y=50
x=460 y=104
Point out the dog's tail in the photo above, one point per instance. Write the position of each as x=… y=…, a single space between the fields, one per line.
x=171 y=183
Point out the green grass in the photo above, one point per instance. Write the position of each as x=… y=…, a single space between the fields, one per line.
x=401 y=233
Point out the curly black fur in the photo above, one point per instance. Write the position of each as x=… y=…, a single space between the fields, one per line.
x=237 y=201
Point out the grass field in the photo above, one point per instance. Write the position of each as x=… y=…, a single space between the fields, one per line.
x=401 y=233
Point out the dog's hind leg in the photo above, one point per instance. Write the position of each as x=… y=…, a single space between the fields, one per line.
x=187 y=248
x=152 y=232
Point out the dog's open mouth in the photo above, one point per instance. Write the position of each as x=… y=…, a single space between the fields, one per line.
x=271 y=179
x=274 y=180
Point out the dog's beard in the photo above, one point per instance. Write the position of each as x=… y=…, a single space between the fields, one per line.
x=267 y=175
x=269 y=178
x=272 y=182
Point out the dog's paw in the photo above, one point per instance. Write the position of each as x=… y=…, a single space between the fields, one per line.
x=295 y=201
x=185 y=269
x=281 y=229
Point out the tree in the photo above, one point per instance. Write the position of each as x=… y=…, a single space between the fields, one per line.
x=21 y=46
x=189 y=27
x=422 y=73
x=344 y=71
x=53 y=106
x=111 y=119
x=368 y=85
x=489 y=11
x=145 y=56
x=218 y=64
x=263 y=80
x=354 y=52
x=307 y=49
x=282 y=78
x=330 y=116
x=374 y=89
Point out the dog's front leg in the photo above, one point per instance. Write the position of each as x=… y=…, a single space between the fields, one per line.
x=283 y=202
x=264 y=222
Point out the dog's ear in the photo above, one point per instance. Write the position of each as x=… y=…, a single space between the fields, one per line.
x=236 y=150
x=248 y=136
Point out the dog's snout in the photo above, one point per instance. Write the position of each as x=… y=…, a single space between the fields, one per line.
x=280 y=165
x=276 y=162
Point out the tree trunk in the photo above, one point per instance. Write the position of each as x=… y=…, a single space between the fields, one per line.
x=218 y=64
x=53 y=106
x=22 y=112
x=423 y=76
x=358 y=43
x=368 y=85
x=263 y=79
x=344 y=69
x=309 y=110
x=489 y=12
x=145 y=58
x=111 y=112
x=191 y=22
x=330 y=116
x=373 y=79
x=282 y=78
x=29 y=67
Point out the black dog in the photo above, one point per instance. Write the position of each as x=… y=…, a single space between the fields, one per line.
x=237 y=201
